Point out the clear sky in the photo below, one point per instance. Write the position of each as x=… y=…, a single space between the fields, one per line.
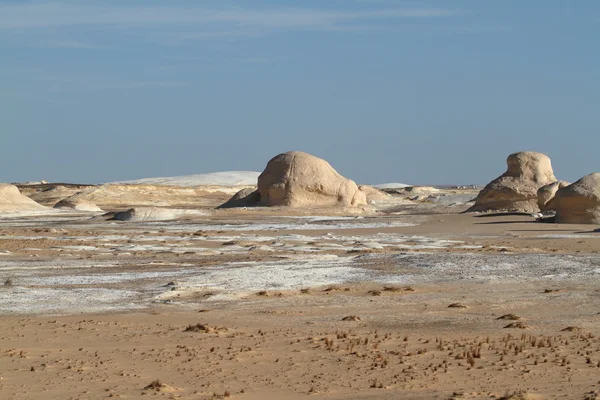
x=426 y=92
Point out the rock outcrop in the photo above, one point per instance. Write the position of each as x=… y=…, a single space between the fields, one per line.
x=77 y=205
x=546 y=194
x=154 y=214
x=516 y=189
x=248 y=197
x=374 y=195
x=579 y=203
x=13 y=201
x=126 y=196
x=298 y=179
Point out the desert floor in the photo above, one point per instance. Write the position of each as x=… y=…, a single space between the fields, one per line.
x=259 y=305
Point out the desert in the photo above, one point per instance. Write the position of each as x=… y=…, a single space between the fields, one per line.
x=401 y=294
x=300 y=199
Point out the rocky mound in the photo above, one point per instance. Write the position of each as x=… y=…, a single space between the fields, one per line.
x=78 y=205
x=122 y=196
x=154 y=214
x=51 y=193
x=248 y=197
x=374 y=195
x=516 y=189
x=579 y=203
x=297 y=179
x=546 y=194
x=13 y=201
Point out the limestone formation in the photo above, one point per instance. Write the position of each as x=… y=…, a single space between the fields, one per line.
x=546 y=194
x=374 y=195
x=77 y=205
x=155 y=214
x=110 y=196
x=13 y=201
x=297 y=179
x=516 y=189
x=248 y=197
x=579 y=203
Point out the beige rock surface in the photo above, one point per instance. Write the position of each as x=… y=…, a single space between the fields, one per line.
x=51 y=193
x=78 y=205
x=579 y=203
x=298 y=179
x=154 y=214
x=247 y=197
x=516 y=189
x=373 y=195
x=121 y=196
x=12 y=200
x=546 y=194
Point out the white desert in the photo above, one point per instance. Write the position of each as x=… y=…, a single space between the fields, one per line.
x=304 y=284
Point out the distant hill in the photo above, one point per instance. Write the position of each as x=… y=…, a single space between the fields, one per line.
x=390 y=186
x=227 y=178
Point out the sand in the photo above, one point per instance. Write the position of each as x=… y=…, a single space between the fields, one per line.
x=415 y=302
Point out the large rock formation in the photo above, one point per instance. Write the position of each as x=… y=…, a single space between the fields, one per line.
x=516 y=189
x=546 y=194
x=13 y=201
x=296 y=179
x=579 y=203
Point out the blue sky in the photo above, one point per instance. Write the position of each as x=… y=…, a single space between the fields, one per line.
x=427 y=92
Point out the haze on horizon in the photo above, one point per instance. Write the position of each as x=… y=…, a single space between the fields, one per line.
x=429 y=92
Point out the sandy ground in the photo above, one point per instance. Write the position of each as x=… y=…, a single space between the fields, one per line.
x=415 y=303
